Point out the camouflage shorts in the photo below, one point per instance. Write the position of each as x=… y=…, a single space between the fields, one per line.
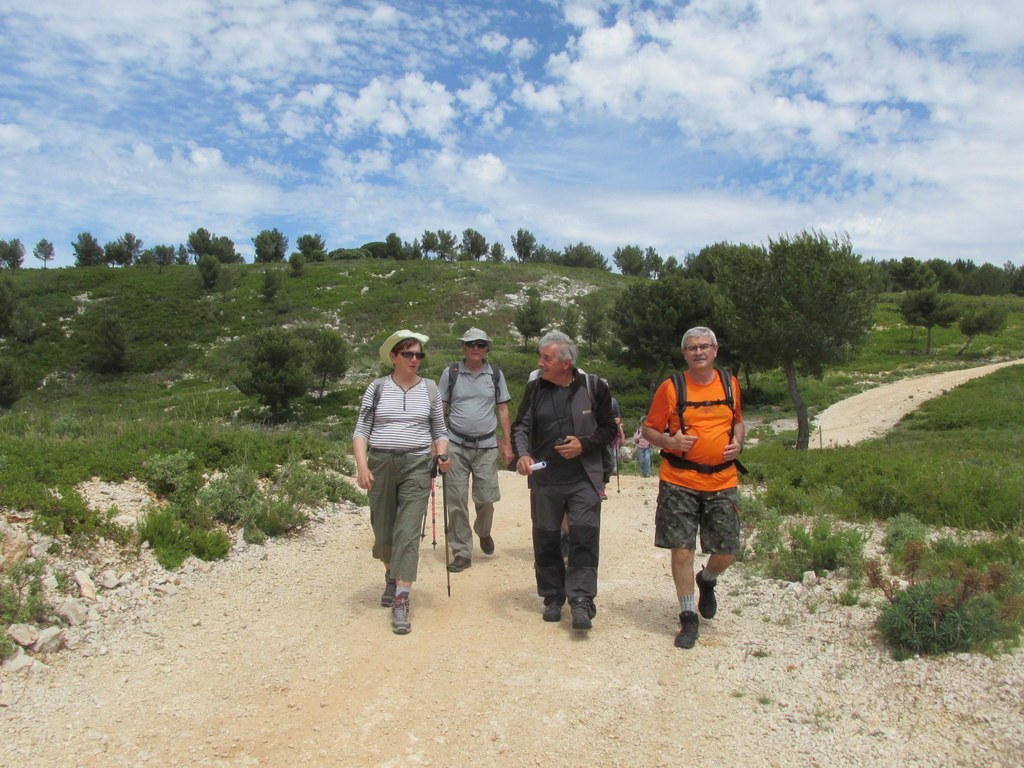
x=682 y=511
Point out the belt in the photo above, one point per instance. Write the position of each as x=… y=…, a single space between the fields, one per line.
x=471 y=438
x=397 y=452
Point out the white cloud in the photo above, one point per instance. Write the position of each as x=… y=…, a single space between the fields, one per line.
x=383 y=15
x=396 y=107
x=15 y=138
x=315 y=97
x=546 y=99
x=494 y=42
x=252 y=119
x=296 y=125
x=478 y=96
x=485 y=169
x=522 y=49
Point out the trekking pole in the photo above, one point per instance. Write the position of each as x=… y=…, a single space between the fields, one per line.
x=423 y=528
x=433 y=507
x=444 y=511
x=618 y=483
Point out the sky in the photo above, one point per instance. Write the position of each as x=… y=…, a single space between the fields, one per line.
x=671 y=125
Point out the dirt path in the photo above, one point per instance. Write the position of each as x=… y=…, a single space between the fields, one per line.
x=283 y=656
x=874 y=412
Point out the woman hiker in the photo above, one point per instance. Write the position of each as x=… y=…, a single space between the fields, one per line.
x=399 y=435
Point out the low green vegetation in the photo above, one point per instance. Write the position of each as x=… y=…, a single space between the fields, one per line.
x=232 y=393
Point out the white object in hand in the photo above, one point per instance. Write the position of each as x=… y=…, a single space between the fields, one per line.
x=538 y=465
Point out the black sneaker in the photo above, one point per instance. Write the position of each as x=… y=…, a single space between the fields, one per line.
x=582 y=612
x=400 y=623
x=388 y=597
x=706 y=604
x=689 y=629
x=487 y=545
x=553 y=608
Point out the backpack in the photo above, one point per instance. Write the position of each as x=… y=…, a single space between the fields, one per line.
x=453 y=376
x=378 y=383
x=679 y=382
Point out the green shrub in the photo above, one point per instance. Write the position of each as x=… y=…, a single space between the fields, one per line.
x=768 y=539
x=166 y=535
x=7 y=647
x=272 y=517
x=10 y=384
x=171 y=473
x=900 y=530
x=231 y=497
x=818 y=549
x=235 y=498
x=105 y=345
x=787 y=499
x=67 y=425
x=22 y=599
x=65 y=513
x=173 y=540
x=935 y=617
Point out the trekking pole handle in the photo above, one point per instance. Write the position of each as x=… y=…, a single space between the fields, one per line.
x=437 y=461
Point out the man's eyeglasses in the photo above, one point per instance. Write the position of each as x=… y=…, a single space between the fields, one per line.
x=699 y=347
x=410 y=355
x=476 y=344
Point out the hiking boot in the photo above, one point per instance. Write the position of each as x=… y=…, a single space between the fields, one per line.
x=689 y=629
x=706 y=604
x=388 y=597
x=553 y=608
x=400 y=623
x=487 y=545
x=582 y=612
x=459 y=564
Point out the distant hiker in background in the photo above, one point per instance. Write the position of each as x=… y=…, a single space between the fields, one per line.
x=695 y=418
x=399 y=435
x=643 y=451
x=563 y=424
x=476 y=397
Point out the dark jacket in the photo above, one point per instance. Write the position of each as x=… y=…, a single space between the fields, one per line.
x=593 y=423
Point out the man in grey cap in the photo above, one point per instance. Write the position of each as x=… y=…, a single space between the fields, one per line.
x=476 y=398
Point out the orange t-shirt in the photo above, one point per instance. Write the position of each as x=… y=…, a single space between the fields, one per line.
x=712 y=424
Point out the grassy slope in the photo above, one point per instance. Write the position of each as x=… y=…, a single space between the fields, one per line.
x=184 y=345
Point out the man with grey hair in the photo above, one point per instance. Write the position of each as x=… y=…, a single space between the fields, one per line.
x=563 y=424
x=696 y=421
x=476 y=398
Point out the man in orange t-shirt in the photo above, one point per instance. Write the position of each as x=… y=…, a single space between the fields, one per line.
x=698 y=477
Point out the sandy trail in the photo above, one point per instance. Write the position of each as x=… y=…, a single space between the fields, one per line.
x=283 y=656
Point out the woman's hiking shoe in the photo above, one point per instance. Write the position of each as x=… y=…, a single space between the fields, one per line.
x=689 y=629
x=388 y=597
x=583 y=611
x=553 y=608
x=400 y=623
x=706 y=604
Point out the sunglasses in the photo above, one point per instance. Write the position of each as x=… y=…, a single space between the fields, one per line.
x=476 y=344
x=410 y=355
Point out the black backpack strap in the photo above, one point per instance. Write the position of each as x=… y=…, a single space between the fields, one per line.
x=679 y=381
x=453 y=375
